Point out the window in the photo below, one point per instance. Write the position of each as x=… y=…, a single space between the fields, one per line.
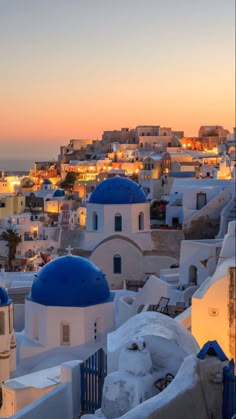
x=2 y=323
x=35 y=327
x=141 y=221
x=95 y=330
x=65 y=333
x=201 y=200
x=117 y=264
x=95 y=221
x=192 y=275
x=118 y=222
x=11 y=319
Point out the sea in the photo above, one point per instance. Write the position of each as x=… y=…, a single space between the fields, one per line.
x=16 y=167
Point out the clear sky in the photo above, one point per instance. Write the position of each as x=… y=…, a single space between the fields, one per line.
x=73 y=68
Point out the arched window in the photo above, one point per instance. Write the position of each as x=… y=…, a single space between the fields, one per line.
x=2 y=323
x=95 y=221
x=118 y=222
x=11 y=318
x=141 y=221
x=65 y=333
x=117 y=264
x=192 y=275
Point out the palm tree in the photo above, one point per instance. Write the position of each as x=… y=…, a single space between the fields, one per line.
x=12 y=238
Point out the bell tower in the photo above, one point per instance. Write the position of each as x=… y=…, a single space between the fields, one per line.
x=7 y=337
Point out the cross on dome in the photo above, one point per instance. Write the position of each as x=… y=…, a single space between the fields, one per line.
x=69 y=249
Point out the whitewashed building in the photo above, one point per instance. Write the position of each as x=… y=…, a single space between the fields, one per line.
x=70 y=304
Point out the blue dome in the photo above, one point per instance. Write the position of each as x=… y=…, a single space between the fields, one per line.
x=182 y=174
x=118 y=190
x=4 y=299
x=70 y=281
x=47 y=182
x=58 y=193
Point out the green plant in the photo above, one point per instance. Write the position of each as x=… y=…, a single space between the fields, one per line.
x=13 y=238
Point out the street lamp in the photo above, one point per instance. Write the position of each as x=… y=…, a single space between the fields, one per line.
x=203 y=262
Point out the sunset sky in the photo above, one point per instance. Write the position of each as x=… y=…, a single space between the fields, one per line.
x=73 y=68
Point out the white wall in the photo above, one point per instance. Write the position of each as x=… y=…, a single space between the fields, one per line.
x=192 y=392
x=57 y=402
x=210 y=313
x=103 y=255
x=80 y=319
x=189 y=189
x=192 y=251
x=19 y=317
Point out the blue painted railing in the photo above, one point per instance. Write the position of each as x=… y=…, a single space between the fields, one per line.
x=93 y=372
x=229 y=391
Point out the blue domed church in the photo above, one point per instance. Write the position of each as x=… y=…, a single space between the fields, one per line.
x=118 y=229
x=70 y=304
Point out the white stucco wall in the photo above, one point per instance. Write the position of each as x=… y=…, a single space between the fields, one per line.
x=80 y=319
x=57 y=401
x=193 y=393
x=103 y=257
x=192 y=251
x=167 y=341
x=173 y=211
x=19 y=317
x=189 y=188
x=210 y=309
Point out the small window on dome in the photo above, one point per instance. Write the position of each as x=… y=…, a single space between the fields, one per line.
x=65 y=333
x=118 y=222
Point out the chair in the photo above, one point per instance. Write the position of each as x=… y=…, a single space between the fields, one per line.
x=180 y=307
x=161 y=307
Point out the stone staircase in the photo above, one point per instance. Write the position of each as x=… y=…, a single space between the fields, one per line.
x=228 y=214
x=212 y=209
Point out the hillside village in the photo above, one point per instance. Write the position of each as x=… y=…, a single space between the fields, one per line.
x=118 y=280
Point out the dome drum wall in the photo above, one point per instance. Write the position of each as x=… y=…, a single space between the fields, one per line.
x=106 y=216
x=70 y=281
x=44 y=325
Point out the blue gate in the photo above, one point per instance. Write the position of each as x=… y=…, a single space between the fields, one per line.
x=229 y=391
x=93 y=372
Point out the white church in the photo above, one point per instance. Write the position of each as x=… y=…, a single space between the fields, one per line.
x=70 y=304
x=118 y=233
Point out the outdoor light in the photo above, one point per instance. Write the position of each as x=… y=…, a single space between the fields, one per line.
x=203 y=262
